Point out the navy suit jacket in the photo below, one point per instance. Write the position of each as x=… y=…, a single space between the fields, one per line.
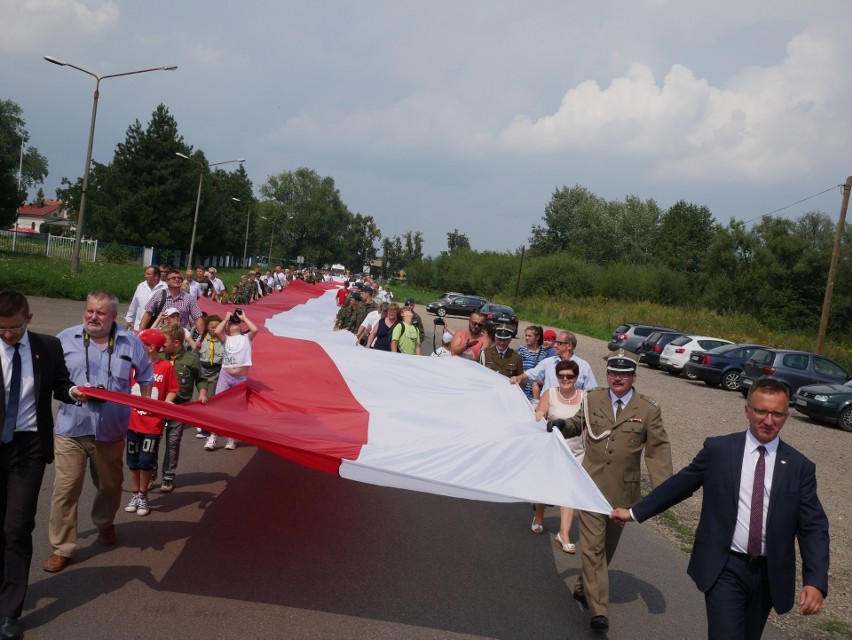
x=51 y=380
x=794 y=512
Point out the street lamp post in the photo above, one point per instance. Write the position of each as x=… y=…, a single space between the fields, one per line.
x=203 y=167
x=78 y=238
x=248 y=218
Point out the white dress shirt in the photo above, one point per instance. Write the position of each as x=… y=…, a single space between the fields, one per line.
x=27 y=407
x=750 y=457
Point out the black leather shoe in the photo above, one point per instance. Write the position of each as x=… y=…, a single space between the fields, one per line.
x=10 y=629
x=599 y=623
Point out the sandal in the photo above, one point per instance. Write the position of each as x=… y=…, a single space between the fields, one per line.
x=537 y=528
x=567 y=547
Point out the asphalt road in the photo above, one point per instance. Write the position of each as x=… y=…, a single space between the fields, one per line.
x=252 y=546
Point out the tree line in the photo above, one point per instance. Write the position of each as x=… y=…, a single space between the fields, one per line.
x=632 y=250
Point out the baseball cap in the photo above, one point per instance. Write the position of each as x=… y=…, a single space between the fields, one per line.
x=550 y=334
x=153 y=337
x=171 y=311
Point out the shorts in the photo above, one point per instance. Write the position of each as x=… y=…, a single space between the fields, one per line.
x=142 y=450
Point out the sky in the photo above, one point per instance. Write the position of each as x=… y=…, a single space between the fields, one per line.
x=460 y=115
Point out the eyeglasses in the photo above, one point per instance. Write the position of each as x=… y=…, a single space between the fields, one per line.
x=15 y=331
x=176 y=278
x=762 y=413
x=566 y=376
x=475 y=324
x=558 y=343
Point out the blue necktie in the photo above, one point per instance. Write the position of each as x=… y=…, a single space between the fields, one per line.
x=11 y=417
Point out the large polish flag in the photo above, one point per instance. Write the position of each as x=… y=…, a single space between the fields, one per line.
x=440 y=425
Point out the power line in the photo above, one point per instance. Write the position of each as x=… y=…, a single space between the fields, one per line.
x=793 y=204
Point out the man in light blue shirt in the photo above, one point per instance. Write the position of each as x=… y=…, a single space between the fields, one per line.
x=98 y=354
x=545 y=370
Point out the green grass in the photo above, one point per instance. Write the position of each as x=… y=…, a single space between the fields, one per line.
x=52 y=277
x=835 y=626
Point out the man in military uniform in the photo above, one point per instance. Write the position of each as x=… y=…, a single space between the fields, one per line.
x=367 y=305
x=500 y=357
x=347 y=312
x=619 y=424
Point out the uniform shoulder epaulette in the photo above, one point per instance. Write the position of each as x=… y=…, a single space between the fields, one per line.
x=648 y=399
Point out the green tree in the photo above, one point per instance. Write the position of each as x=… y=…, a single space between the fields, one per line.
x=457 y=240
x=600 y=231
x=685 y=232
x=14 y=139
x=359 y=247
x=315 y=219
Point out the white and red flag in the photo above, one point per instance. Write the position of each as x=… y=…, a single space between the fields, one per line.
x=439 y=425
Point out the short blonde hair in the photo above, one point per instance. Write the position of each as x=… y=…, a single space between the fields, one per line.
x=174 y=332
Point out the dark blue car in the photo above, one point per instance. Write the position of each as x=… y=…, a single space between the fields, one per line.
x=722 y=365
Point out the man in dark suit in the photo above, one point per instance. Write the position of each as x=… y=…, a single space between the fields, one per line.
x=32 y=373
x=760 y=494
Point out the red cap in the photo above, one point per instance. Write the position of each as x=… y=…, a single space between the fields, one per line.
x=153 y=337
x=550 y=334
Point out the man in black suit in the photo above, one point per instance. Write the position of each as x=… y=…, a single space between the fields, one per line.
x=32 y=373
x=760 y=495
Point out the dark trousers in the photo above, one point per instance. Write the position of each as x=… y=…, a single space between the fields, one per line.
x=170 y=445
x=738 y=603
x=21 y=473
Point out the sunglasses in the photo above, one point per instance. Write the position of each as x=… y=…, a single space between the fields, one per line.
x=566 y=376
x=475 y=324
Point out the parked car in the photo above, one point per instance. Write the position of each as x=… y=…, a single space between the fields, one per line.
x=497 y=314
x=676 y=354
x=629 y=336
x=827 y=403
x=722 y=365
x=795 y=368
x=652 y=347
x=456 y=306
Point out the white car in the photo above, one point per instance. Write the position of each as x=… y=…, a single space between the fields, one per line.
x=676 y=354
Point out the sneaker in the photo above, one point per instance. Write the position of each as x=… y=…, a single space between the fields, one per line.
x=151 y=483
x=133 y=505
x=142 y=505
x=201 y=433
x=210 y=445
x=166 y=487
x=231 y=444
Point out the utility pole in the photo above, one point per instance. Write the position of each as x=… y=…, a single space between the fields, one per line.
x=832 y=271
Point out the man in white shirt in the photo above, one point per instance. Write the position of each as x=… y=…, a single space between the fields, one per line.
x=194 y=286
x=150 y=285
x=218 y=285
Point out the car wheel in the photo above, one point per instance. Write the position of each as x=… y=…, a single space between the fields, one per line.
x=441 y=312
x=731 y=380
x=845 y=419
x=689 y=375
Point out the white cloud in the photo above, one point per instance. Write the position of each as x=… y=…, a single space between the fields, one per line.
x=28 y=24
x=762 y=125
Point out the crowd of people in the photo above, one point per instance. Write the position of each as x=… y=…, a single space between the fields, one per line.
x=170 y=350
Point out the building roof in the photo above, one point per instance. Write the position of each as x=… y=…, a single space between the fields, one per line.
x=35 y=211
